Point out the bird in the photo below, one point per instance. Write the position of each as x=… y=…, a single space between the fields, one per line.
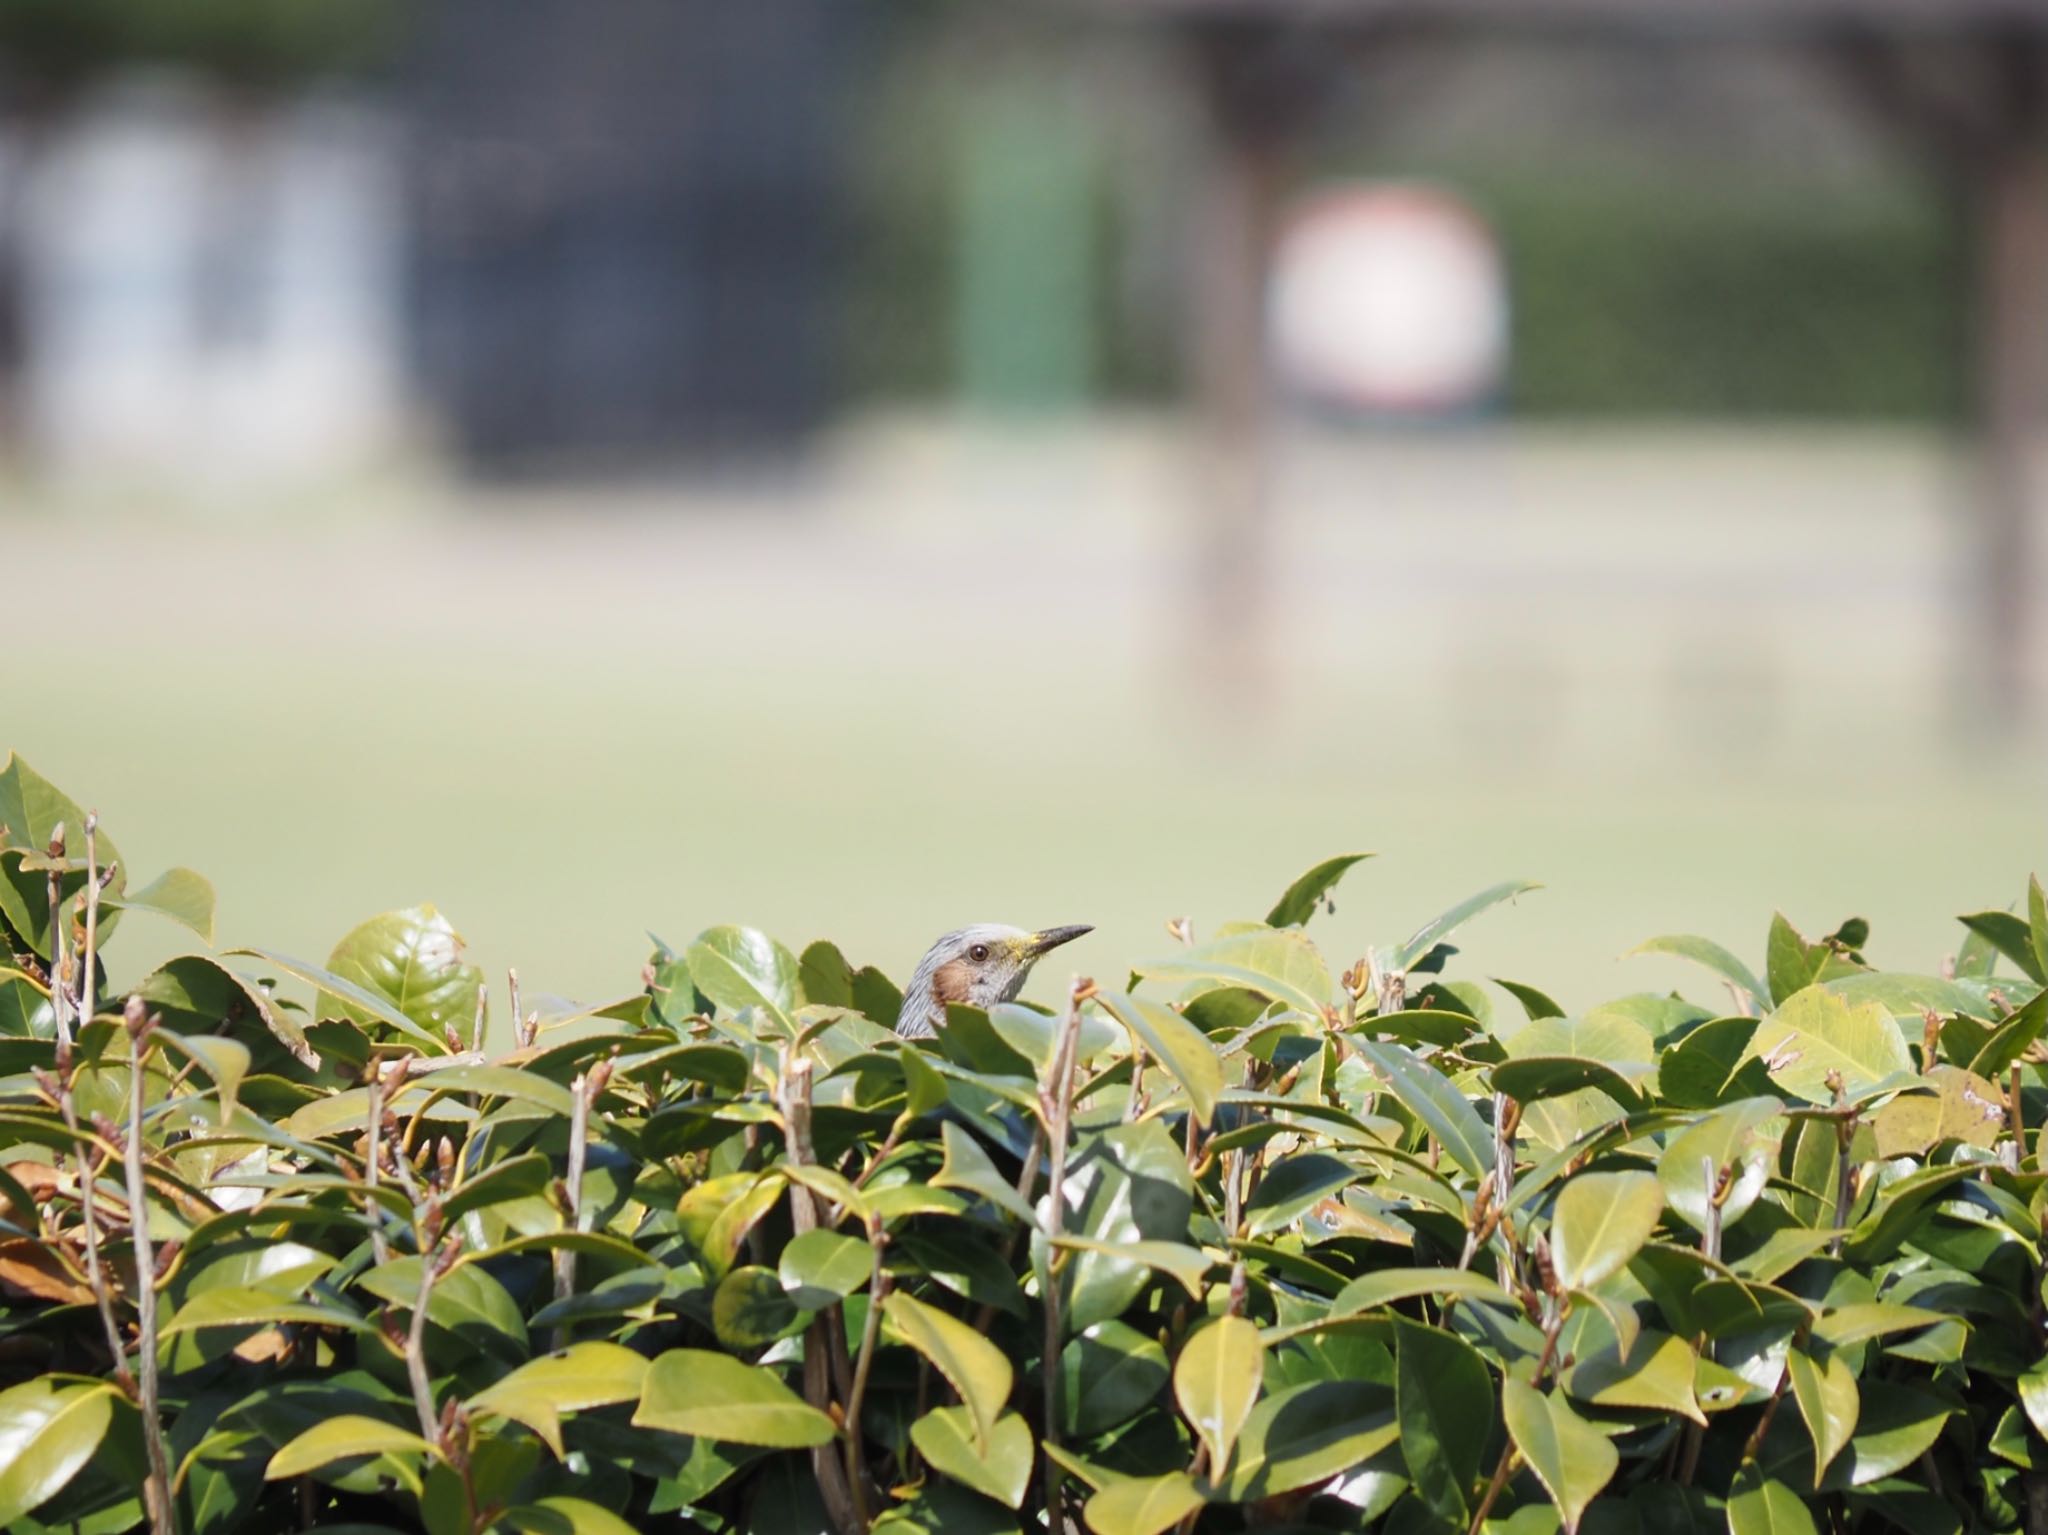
x=976 y=966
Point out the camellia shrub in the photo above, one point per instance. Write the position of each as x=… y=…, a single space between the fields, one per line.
x=1243 y=1238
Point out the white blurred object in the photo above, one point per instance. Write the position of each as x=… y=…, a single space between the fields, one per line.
x=1389 y=298
x=212 y=299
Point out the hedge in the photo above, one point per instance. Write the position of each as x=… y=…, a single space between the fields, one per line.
x=1238 y=1239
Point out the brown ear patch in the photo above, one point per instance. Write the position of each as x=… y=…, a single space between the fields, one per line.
x=951 y=980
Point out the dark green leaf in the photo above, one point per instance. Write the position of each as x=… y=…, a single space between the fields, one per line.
x=1294 y=908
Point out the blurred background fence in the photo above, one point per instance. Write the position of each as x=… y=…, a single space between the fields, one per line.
x=1514 y=436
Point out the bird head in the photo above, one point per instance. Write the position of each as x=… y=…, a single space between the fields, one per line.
x=975 y=966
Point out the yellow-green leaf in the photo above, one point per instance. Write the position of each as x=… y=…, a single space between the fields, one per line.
x=715 y=1396
x=1216 y=1381
x=976 y=1368
x=1571 y=1458
x=945 y=1437
x=1600 y=1222
x=1144 y=1505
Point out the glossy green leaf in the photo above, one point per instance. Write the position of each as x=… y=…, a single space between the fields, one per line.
x=1744 y=1136
x=1895 y=1426
x=2009 y=1041
x=564 y=1516
x=740 y=967
x=1964 y=1107
x=820 y=1267
x=224 y=1062
x=1816 y=1034
x=342 y=997
x=1572 y=1459
x=1309 y=1433
x=1706 y=952
x=1146 y=1505
x=1825 y=1388
x=1216 y=1381
x=1301 y=898
x=1001 y=1470
x=1657 y=1375
x=518 y=1177
x=1761 y=1505
x=31 y=808
x=1294 y=1186
x=199 y=995
x=1108 y=1374
x=581 y=1376
x=348 y=1437
x=968 y=1167
x=1440 y=927
x=467 y=1301
x=1428 y=1094
x=507 y=1083
x=750 y=1309
x=1536 y=1004
x=1182 y=1050
x=411 y=959
x=824 y=976
x=183 y=895
x=1276 y=962
x=1443 y=1394
x=255 y=1306
x=1600 y=1222
x=975 y=1367
x=2033 y=1392
x=2011 y=936
x=715 y=1396
x=1530 y=1079
x=48 y=1431
x=1127 y=1184
x=1383 y=1287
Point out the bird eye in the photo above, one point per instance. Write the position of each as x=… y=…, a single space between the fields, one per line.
x=978 y=953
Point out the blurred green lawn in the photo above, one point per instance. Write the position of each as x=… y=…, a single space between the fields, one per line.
x=836 y=711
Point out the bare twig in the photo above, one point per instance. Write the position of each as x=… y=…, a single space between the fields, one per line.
x=163 y=1512
x=378 y=1245
x=840 y=1480
x=579 y=1145
x=60 y=965
x=436 y=1257
x=88 y=989
x=1058 y=1103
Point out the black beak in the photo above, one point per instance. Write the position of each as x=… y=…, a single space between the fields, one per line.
x=1053 y=937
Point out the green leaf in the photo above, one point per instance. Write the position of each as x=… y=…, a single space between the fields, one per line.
x=1964 y=1107
x=1294 y=1186
x=1717 y=959
x=1308 y=1434
x=1124 y=1185
x=750 y=1309
x=1187 y=1265
x=1108 y=1375
x=1216 y=1381
x=2009 y=1041
x=1816 y=1033
x=48 y=1431
x=1536 y=1004
x=923 y=1088
x=1145 y=1505
x=2011 y=937
x=31 y=808
x=715 y=1396
x=1760 y=1505
x=2033 y=1391
x=1791 y=963
x=1656 y=1376
x=740 y=967
x=821 y=1267
x=1572 y=1459
x=1443 y=1395
x=518 y=1177
x=198 y=995
x=1825 y=1389
x=1712 y=1065
x=968 y=1167
x=1600 y=1221
x=508 y=1082
x=717 y=1214
x=466 y=1301
x=975 y=1367
x=1428 y=1094
x=1895 y=1426
x=1276 y=962
x=1530 y=1079
x=1294 y=908
x=411 y=959
x=225 y=1061
x=256 y=1306
x=565 y=1516
x=349 y=1437
x=358 y=1001
x=1383 y=1287
x=183 y=895
x=824 y=976
x=1180 y=1048
x=580 y=1376
x=945 y=1437
x=1438 y=928
x=2037 y=926
x=1743 y=1135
